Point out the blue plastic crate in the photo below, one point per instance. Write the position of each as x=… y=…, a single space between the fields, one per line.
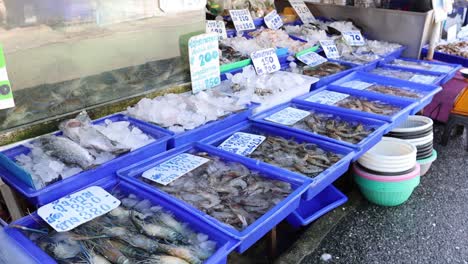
x=254 y=231
x=320 y=181
x=225 y=244
x=309 y=211
x=438 y=77
x=427 y=90
x=406 y=105
x=449 y=73
x=360 y=148
x=11 y=173
x=445 y=57
x=231 y=33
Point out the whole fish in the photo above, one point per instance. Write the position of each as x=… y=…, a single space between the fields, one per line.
x=66 y=151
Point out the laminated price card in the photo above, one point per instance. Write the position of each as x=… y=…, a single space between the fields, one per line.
x=354 y=38
x=327 y=97
x=288 y=116
x=217 y=27
x=273 y=20
x=331 y=51
x=265 y=61
x=78 y=208
x=302 y=11
x=204 y=61
x=242 y=19
x=242 y=143
x=311 y=58
x=6 y=94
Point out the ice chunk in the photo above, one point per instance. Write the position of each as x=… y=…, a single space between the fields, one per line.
x=326 y=257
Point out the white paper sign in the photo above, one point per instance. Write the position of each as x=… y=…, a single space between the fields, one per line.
x=358 y=85
x=302 y=11
x=312 y=59
x=327 y=97
x=426 y=79
x=331 y=51
x=353 y=38
x=288 y=116
x=441 y=68
x=174 y=168
x=78 y=208
x=217 y=27
x=242 y=19
x=452 y=33
x=204 y=61
x=265 y=61
x=273 y=20
x=242 y=143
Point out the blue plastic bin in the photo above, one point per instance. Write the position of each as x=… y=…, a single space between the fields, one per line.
x=445 y=57
x=254 y=231
x=10 y=171
x=449 y=73
x=406 y=106
x=360 y=148
x=309 y=211
x=320 y=181
x=426 y=89
x=437 y=80
x=225 y=244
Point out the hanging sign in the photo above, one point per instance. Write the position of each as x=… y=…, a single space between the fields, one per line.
x=6 y=93
x=311 y=58
x=330 y=49
x=242 y=143
x=265 y=61
x=216 y=27
x=302 y=11
x=204 y=61
x=273 y=20
x=353 y=38
x=242 y=19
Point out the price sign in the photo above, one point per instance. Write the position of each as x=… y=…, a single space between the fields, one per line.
x=452 y=33
x=288 y=116
x=331 y=51
x=242 y=19
x=174 y=168
x=426 y=79
x=273 y=20
x=358 y=85
x=6 y=93
x=217 y=27
x=242 y=143
x=441 y=68
x=75 y=209
x=302 y=11
x=204 y=61
x=312 y=59
x=265 y=61
x=327 y=97
x=353 y=38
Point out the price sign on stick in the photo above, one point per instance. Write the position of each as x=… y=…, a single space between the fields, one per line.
x=242 y=19
x=302 y=11
x=204 y=61
x=217 y=27
x=331 y=51
x=273 y=20
x=353 y=38
x=265 y=61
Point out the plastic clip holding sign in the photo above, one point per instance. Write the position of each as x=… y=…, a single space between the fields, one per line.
x=330 y=49
x=302 y=11
x=6 y=93
x=265 y=61
x=242 y=20
x=273 y=20
x=204 y=61
x=78 y=208
x=216 y=27
x=354 y=38
x=311 y=58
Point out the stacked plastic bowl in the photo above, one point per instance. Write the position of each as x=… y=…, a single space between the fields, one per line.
x=418 y=131
x=388 y=173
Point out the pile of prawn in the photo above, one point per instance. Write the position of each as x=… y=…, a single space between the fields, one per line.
x=361 y=104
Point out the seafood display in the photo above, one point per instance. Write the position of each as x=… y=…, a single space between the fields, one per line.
x=307 y=32
x=135 y=232
x=83 y=146
x=405 y=75
x=364 y=105
x=457 y=48
x=228 y=191
x=322 y=70
x=230 y=55
x=396 y=91
x=367 y=53
x=269 y=38
x=181 y=112
x=304 y=158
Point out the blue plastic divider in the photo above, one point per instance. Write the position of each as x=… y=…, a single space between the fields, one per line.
x=449 y=74
x=309 y=211
x=320 y=181
x=9 y=169
x=441 y=56
x=254 y=231
x=406 y=106
x=225 y=244
x=360 y=148
x=428 y=91
x=437 y=80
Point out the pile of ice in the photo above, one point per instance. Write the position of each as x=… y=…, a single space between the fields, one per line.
x=242 y=44
x=382 y=47
x=268 y=38
x=181 y=112
x=312 y=35
x=342 y=25
x=124 y=133
x=269 y=89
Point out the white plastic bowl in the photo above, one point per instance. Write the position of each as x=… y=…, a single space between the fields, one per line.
x=421 y=141
x=414 y=124
x=390 y=155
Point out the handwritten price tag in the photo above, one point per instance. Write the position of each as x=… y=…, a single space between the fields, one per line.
x=273 y=20
x=331 y=51
x=217 y=27
x=302 y=11
x=358 y=85
x=426 y=79
x=288 y=116
x=174 y=168
x=242 y=143
x=327 y=97
x=75 y=209
x=242 y=19
x=265 y=61
x=353 y=38
x=312 y=59
x=204 y=61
